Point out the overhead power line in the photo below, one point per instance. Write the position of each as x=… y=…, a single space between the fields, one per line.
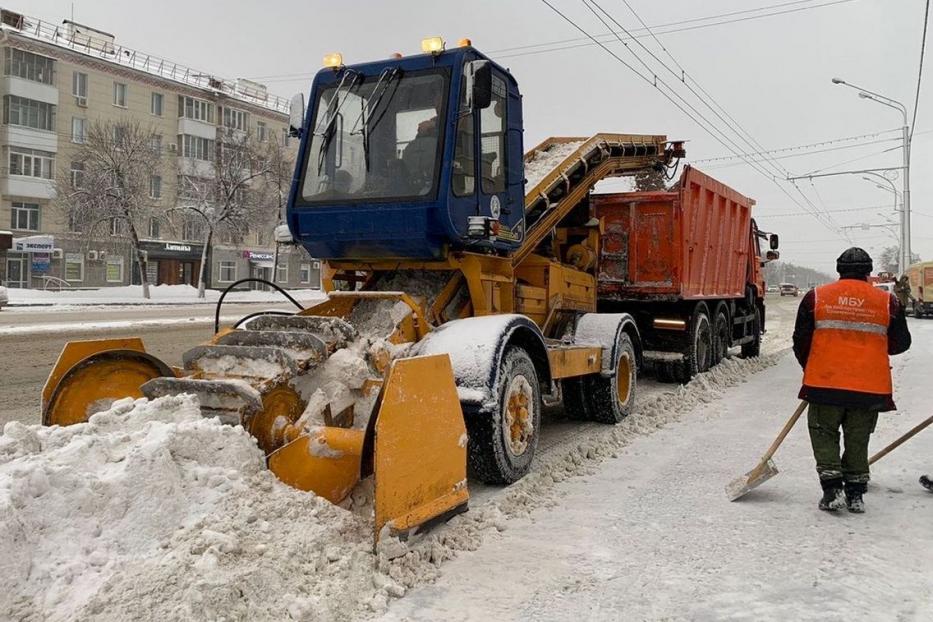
x=923 y=46
x=823 y=143
x=662 y=29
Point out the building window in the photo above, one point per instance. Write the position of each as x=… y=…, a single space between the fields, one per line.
x=226 y=271
x=197 y=109
x=25 y=216
x=114 y=269
x=28 y=113
x=235 y=119
x=78 y=130
x=79 y=87
x=117 y=226
x=32 y=163
x=192 y=231
x=281 y=272
x=262 y=131
x=74 y=267
x=304 y=273
x=119 y=135
x=77 y=174
x=29 y=66
x=155 y=187
x=155 y=143
x=154 y=228
x=119 y=94
x=156 y=104
x=196 y=147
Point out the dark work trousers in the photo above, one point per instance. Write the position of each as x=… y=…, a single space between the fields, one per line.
x=857 y=425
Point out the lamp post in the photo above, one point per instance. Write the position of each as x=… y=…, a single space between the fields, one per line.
x=905 y=212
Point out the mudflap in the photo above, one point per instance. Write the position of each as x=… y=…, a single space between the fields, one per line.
x=419 y=446
x=91 y=375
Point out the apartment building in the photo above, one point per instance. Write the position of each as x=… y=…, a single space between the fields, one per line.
x=57 y=80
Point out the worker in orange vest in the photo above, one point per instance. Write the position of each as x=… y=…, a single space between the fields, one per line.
x=844 y=333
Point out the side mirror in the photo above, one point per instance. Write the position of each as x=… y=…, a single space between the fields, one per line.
x=773 y=241
x=296 y=114
x=772 y=255
x=479 y=84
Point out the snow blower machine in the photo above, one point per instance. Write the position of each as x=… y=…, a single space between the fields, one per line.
x=462 y=294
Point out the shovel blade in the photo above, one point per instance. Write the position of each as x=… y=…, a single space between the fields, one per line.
x=741 y=486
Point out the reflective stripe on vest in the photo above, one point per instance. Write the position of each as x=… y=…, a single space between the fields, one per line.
x=864 y=327
x=849 y=350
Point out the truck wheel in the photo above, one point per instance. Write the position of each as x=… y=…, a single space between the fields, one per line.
x=753 y=348
x=720 y=336
x=601 y=399
x=502 y=443
x=700 y=347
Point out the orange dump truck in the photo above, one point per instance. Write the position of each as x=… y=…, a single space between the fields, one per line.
x=686 y=263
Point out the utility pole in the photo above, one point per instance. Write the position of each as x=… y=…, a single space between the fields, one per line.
x=905 y=214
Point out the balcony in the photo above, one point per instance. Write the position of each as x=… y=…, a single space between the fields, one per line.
x=202 y=129
x=26 y=187
x=29 y=138
x=195 y=168
x=14 y=85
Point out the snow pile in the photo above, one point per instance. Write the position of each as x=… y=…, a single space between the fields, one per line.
x=544 y=161
x=150 y=511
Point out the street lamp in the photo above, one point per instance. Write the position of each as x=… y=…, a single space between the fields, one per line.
x=905 y=212
x=897 y=194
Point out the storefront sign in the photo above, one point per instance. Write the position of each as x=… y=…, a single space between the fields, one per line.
x=171 y=250
x=41 y=262
x=254 y=256
x=34 y=244
x=181 y=248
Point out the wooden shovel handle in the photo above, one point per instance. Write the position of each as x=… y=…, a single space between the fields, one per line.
x=784 y=432
x=913 y=431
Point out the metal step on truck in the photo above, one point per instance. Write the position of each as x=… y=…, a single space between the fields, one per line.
x=686 y=264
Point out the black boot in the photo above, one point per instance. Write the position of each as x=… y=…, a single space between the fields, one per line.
x=832 y=495
x=854 y=501
x=926 y=482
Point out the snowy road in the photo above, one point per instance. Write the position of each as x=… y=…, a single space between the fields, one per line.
x=650 y=534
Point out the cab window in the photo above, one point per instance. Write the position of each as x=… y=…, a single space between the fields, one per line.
x=464 y=171
x=492 y=139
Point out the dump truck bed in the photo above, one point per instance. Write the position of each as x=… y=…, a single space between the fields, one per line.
x=693 y=243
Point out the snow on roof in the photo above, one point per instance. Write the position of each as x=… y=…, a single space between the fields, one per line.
x=99 y=45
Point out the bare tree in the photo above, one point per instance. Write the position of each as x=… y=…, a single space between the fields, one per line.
x=232 y=199
x=112 y=183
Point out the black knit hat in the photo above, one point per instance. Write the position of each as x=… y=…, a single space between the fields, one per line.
x=854 y=261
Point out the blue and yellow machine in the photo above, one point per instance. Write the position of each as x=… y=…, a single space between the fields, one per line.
x=411 y=185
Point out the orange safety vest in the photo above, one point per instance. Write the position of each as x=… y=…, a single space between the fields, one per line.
x=850 y=338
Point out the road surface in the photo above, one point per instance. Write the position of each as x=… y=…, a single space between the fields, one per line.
x=29 y=356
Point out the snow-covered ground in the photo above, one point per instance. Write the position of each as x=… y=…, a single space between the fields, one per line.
x=132 y=295
x=650 y=535
x=150 y=511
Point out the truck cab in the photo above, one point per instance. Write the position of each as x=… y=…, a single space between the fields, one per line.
x=410 y=157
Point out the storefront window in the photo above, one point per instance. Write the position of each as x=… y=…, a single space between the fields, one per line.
x=74 y=267
x=115 y=269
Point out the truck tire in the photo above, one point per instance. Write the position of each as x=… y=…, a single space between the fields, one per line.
x=721 y=335
x=753 y=348
x=699 y=346
x=604 y=399
x=502 y=443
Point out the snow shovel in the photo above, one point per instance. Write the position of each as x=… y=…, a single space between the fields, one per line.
x=913 y=431
x=765 y=468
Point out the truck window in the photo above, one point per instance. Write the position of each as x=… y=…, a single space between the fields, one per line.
x=492 y=135
x=463 y=175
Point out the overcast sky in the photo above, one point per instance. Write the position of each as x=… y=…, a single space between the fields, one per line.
x=772 y=75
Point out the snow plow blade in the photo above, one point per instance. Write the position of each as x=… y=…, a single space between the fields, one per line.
x=765 y=469
x=420 y=445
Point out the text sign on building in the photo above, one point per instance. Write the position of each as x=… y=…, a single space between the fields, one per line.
x=41 y=262
x=34 y=244
x=254 y=256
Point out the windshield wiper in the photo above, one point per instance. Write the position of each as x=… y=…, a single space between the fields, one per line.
x=382 y=86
